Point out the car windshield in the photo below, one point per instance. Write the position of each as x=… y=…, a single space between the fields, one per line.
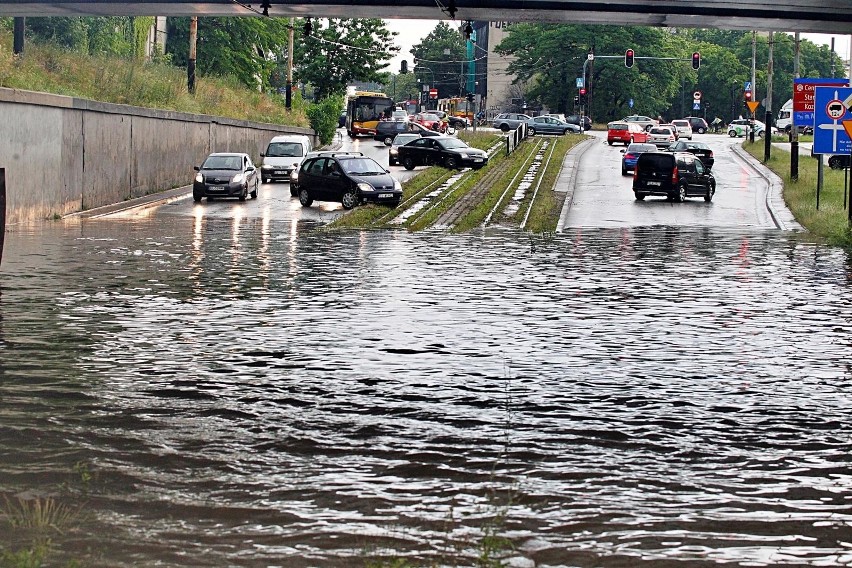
x=401 y=139
x=223 y=163
x=284 y=150
x=617 y=126
x=362 y=167
x=453 y=143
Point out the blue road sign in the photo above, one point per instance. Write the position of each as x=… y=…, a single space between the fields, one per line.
x=831 y=108
x=747 y=86
x=630 y=103
x=580 y=82
x=696 y=105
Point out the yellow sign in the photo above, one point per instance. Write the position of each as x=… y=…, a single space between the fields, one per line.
x=752 y=106
x=847 y=124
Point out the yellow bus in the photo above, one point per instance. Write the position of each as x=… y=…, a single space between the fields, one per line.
x=458 y=106
x=364 y=110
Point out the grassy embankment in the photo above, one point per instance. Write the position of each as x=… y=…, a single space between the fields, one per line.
x=830 y=221
x=134 y=82
x=545 y=208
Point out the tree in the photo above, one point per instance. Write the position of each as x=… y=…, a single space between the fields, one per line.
x=440 y=59
x=332 y=57
x=243 y=47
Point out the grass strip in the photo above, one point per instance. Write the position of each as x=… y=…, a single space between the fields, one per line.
x=547 y=206
x=830 y=220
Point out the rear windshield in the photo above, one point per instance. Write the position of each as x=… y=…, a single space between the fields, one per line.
x=660 y=131
x=642 y=148
x=659 y=162
x=618 y=126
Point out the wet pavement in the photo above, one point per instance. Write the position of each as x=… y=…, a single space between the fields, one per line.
x=212 y=386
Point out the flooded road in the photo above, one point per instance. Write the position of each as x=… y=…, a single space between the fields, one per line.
x=236 y=392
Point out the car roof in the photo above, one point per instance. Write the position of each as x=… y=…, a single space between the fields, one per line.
x=240 y=154
x=333 y=154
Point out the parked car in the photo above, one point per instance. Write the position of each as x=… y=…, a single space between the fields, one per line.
x=575 y=119
x=549 y=125
x=646 y=122
x=684 y=129
x=444 y=151
x=430 y=120
x=400 y=116
x=697 y=124
x=386 y=130
x=741 y=127
x=675 y=175
x=618 y=132
x=401 y=139
x=558 y=116
x=225 y=174
x=283 y=155
x=509 y=121
x=632 y=153
x=699 y=149
x=662 y=136
x=349 y=178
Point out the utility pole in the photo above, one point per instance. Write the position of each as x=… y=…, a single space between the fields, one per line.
x=753 y=77
x=288 y=97
x=190 y=67
x=794 y=130
x=767 y=135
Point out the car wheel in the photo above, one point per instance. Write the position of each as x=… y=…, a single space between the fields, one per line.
x=264 y=180
x=648 y=128
x=350 y=198
x=623 y=171
x=305 y=198
x=451 y=162
x=760 y=134
x=196 y=197
x=244 y=194
x=504 y=127
x=681 y=193
x=408 y=163
x=702 y=130
x=609 y=142
x=639 y=196
x=732 y=133
x=254 y=193
x=532 y=131
x=293 y=191
x=388 y=140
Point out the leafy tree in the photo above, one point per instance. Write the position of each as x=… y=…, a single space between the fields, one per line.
x=121 y=36
x=243 y=47
x=342 y=52
x=402 y=86
x=440 y=59
x=323 y=117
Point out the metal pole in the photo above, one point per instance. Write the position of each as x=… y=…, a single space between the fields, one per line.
x=819 y=178
x=753 y=78
x=2 y=209
x=288 y=97
x=794 y=130
x=190 y=67
x=767 y=136
x=20 y=25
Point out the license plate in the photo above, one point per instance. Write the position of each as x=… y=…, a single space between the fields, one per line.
x=216 y=188
x=477 y=160
x=280 y=172
x=385 y=195
x=655 y=183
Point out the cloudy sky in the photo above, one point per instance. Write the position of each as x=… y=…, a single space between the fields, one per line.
x=412 y=32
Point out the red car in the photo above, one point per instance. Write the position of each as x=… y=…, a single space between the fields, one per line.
x=618 y=132
x=430 y=121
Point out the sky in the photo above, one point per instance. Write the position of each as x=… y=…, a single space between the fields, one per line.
x=412 y=32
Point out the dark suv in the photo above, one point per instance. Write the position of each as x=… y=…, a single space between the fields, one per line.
x=575 y=119
x=697 y=123
x=674 y=175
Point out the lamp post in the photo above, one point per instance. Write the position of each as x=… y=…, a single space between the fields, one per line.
x=433 y=83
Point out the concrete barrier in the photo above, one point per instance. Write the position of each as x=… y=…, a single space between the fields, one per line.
x=64 y=155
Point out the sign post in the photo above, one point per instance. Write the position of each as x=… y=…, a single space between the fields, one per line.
x=831 y=134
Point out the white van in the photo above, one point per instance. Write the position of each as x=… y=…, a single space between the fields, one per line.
x=283 y=155
x=785 y=117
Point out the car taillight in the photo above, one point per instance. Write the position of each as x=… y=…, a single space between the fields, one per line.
x=636 y=171
x=674 y=177
x=711 y=153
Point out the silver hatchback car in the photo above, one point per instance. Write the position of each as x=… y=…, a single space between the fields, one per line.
x=510 y=120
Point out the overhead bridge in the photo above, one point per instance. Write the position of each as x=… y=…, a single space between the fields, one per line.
x=808 y=16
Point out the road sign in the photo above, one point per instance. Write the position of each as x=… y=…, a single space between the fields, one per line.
x=630 y=103
x=830 y=136
x=747 y=86
x=752 y=106
x=433 y=93
x=696 y=105
x=580 y=83
x=803 y=97
x=696 y=96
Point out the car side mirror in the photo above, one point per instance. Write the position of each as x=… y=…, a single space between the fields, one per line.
x=387 y=171
x=262 y=155
x=197 y=168
x=623 y=150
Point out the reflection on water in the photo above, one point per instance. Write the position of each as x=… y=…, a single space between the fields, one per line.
x=221 y=392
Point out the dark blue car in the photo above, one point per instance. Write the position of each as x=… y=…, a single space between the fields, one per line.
x=631 y=154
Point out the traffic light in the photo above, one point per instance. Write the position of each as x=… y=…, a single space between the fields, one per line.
x=403 y=67
x=577 y=100
x=747 y=96
x=628 y=58
x=696 y=60
x=470 y=97
x=583 y=96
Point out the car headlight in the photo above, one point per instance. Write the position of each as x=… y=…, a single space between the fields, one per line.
x=394 y=151
x=238 y=178
x=364 y=186
x=199 y=178
x=266 y=167
x=396 y=185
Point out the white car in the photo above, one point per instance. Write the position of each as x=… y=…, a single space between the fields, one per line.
x=282 y=156
x=741 y=127
x=684 y=129
x=662 y=136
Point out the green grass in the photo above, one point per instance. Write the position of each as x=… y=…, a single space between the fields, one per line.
x=135 y=82
x=547 y=206
x=830 y=220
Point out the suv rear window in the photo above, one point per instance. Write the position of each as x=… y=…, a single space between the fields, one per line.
x=656 y=162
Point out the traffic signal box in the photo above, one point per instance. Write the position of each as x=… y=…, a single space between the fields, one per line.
x=583 y=96
x=696 y=60
x=628 y=58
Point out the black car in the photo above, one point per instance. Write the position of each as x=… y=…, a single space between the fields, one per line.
x=575 y=119
x=401 y=140
x=675 y=175
x=349 y=178
x=697 y=124
x=225 y=174
x=699 y=149
x=386 y=130
x=444 y=151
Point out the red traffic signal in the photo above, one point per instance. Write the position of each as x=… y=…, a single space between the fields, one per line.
x=628 y=58
x=747 y=95
x=582 y=91
x=696 y=60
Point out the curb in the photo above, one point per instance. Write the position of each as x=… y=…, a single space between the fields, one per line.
x=567 y=179
x=149 y=200
x=781 y=215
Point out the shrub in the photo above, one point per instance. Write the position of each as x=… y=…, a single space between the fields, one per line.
x=323 y=117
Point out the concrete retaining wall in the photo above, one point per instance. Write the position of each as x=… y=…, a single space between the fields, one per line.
x=63 y=155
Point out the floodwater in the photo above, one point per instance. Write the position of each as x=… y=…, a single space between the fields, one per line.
x=217 y=392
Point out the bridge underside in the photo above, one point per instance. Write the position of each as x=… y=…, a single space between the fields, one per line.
x=809 y=16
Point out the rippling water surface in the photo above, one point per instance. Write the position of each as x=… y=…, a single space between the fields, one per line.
x=245 y=394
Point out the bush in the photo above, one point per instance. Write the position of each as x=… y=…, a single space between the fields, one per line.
x=323 y=117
